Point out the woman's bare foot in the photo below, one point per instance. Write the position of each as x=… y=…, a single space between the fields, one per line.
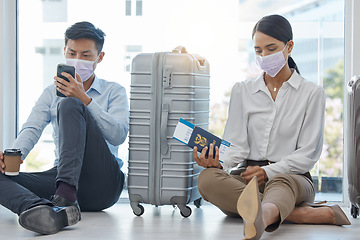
x=307 y=214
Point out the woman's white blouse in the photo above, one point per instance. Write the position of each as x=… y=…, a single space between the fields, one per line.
x=287 y=131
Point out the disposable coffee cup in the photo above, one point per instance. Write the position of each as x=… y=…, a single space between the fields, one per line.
x=12 y=160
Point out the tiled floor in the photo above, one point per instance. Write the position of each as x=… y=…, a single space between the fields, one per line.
x=207 y=222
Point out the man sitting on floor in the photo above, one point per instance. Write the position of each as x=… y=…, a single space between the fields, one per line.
x=89 y=125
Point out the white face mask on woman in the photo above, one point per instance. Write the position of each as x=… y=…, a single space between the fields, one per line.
x=83 y=67
x=273 y=63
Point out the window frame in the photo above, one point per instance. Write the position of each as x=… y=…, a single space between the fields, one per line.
x=8 y=70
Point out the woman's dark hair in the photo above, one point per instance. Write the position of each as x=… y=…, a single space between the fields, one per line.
x=88 y=31
x=278 y=27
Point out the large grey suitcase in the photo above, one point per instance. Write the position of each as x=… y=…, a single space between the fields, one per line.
x=165 y=87
x=353 y=142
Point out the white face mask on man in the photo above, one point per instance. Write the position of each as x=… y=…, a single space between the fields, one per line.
x=83 y=67
x=273 y=63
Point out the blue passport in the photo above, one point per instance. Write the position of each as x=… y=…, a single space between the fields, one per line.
x=193 y=135
x=201 y=138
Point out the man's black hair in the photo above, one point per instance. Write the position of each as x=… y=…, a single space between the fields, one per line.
x=88 y=31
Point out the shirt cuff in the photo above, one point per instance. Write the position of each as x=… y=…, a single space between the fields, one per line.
x=226 y=165
x=94 y=108
x=273 y=169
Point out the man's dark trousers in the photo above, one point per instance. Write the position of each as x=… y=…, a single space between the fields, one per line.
x=85 y=162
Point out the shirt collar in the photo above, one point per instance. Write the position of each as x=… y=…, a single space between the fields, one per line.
x=259 y=83
x=295 y=80
x=96 y=85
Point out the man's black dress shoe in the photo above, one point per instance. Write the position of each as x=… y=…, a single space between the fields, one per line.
x=63 y=202
x=45 y=219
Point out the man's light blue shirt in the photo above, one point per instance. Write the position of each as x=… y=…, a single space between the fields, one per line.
x=109 y=107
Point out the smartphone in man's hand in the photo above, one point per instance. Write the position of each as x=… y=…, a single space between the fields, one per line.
x=64 y=68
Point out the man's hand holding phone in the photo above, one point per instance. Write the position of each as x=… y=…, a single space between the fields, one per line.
x=59 y=70
x=68 y=85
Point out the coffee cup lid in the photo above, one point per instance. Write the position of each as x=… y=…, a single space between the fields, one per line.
x=12 y=152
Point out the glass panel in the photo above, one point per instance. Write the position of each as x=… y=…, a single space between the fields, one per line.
x=54 y=10
x=217 y=30
x=319 y=31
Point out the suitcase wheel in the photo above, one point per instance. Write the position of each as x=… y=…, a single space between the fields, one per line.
x=197 y=202
x=186 y=212
x=139 y=210
x=354 y=211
